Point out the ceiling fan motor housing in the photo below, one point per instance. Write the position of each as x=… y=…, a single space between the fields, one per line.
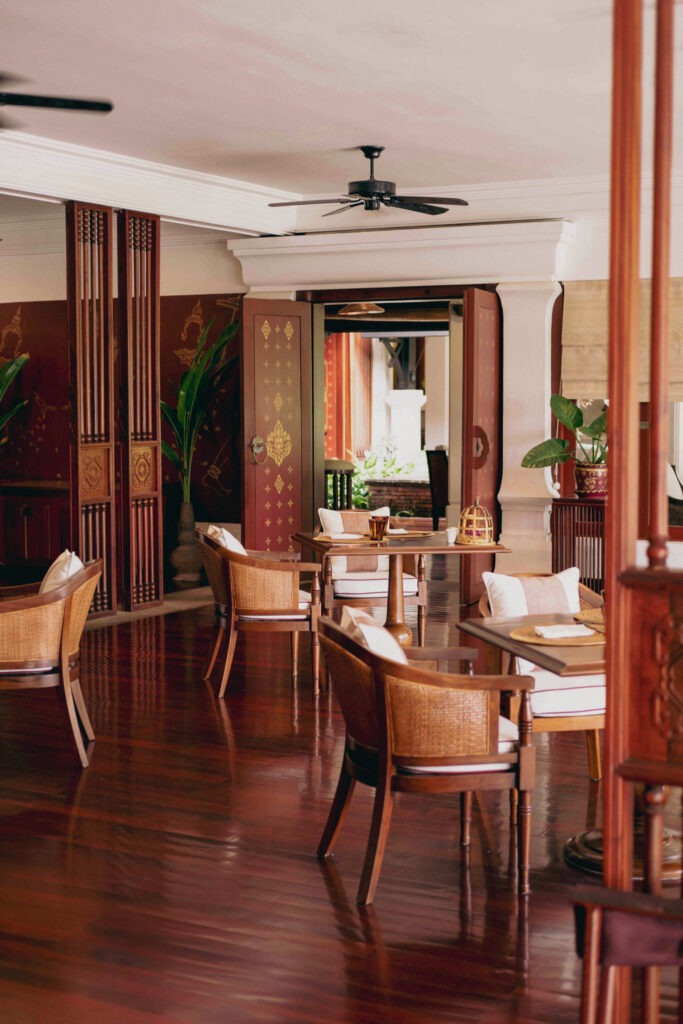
x=372 y=188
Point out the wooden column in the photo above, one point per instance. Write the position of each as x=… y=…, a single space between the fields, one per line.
x=141 y=502
x=89 y=312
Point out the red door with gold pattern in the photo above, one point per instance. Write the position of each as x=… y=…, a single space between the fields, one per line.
x=276 y=422
x=481 y=425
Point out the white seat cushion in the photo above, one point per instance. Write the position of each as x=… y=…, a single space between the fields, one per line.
x=565 y=696
x=225 y=539
x=369 y=584
x=371 y=634
x=64 y=566
x=508 y=737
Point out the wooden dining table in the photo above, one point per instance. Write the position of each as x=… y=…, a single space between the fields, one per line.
x=584 y=850
x=395 y=545
x=562 y=659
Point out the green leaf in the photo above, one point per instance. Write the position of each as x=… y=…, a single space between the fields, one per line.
x=567 y=412
x=195 y=391
x=9 y=370
x=172 y=455
x=597 y=428
x=548 y=453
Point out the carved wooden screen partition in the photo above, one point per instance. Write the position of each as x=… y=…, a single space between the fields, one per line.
x=89 y=311
x=141 y=500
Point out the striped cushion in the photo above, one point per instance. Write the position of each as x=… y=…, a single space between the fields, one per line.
x=565 y=696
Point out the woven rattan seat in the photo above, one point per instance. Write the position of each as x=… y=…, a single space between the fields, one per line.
x=40 y=636
x=258 y=592
x=416 y=730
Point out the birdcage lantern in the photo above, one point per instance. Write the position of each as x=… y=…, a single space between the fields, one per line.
x=475 y=525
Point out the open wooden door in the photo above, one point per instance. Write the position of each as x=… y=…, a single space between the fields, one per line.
x=481 y=424
x=276 y=422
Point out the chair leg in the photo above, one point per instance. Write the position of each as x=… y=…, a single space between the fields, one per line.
x=421 y=625
x=340 y=805
x=72 y=715
x=377 y=841
x=211 y=661
x=466 y=818
x=295 y=654
x=315 y=660
x=229 y=655
x=594 y=758
x=524 y=841
x=86 y=724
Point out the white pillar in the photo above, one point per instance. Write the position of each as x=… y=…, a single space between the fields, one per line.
x=405 y=425
x=381 y=384
x=525 y=494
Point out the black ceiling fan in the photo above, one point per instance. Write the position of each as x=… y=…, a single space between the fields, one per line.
x=373 y=193
x=22 y=99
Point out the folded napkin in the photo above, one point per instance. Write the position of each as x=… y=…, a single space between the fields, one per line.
x=557 y=632
x=396 y=529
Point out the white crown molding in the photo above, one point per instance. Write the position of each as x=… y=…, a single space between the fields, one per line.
x=471 y=253
x=33 y=166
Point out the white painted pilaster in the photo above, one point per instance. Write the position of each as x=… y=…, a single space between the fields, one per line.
x=525 y=494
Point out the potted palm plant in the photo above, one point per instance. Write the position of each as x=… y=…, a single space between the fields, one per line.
x=589 y=452
x=8 y=372
x=194 y=393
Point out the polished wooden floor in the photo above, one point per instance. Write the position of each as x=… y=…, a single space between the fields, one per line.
x=175 y=879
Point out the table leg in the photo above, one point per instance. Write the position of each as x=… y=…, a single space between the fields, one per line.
x=395 y=622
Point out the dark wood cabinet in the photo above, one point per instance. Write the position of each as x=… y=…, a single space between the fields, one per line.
x=578 y=538
x=34 y=521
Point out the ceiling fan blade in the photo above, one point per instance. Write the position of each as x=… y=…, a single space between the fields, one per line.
x=434 y=199
x=402 y=204
x=310 y=202
x=343 y=209
x=20 y=99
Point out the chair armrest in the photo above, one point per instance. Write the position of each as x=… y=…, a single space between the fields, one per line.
x=442 y=656
x=19 y=590
x=276 y=556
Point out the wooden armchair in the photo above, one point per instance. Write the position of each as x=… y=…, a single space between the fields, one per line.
x=362 y=581
x=411 y=729
x=258 y=592
x=40 y=637
x=564 y=703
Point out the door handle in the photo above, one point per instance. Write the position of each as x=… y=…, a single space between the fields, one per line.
x=257 y=450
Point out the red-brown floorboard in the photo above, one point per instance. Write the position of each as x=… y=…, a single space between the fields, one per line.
x=175 y=879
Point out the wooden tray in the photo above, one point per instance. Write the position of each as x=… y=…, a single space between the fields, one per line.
x=529 y=636
x=409 y=535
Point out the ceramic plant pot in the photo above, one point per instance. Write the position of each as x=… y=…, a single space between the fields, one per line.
x=590 y=481
x=186 y=559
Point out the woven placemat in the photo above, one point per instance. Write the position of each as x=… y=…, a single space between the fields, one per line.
x=594 y=617
x=529 y=635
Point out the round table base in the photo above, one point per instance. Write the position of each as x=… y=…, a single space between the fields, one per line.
x=585 y=852
x=401 y=632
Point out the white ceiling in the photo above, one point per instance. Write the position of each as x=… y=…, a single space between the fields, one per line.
x=278 y=95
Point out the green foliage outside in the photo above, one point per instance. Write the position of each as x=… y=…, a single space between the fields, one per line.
x=381 y=462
